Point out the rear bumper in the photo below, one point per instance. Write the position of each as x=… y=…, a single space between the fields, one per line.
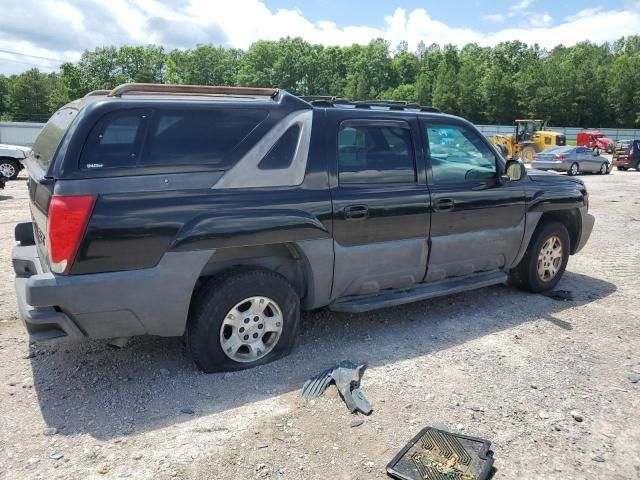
x=106 y=305
x=621 y=162
x=588 y=221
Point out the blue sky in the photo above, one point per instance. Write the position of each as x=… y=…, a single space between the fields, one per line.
x=46 y=33
x=460 y=14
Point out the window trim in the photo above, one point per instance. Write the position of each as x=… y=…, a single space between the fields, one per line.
x=379 y=123
x=424 y=125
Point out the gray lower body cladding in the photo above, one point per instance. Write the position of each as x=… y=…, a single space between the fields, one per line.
x=149 y=301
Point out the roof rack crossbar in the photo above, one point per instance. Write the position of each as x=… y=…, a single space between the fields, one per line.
x=146 y=88
x=395 y=105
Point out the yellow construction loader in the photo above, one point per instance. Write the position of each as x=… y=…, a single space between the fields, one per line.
x=529 y=138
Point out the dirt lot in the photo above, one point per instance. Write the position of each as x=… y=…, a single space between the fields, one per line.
x=515 y=368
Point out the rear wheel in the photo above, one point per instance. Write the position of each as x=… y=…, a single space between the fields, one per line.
x=527 y=154
x=622 y=169
x=574 y=169
x=545 y=261
x=604 y=168
x=9 y=168
x=241 y=320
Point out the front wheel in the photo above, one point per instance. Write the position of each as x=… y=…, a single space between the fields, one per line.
x=574 y=169
x=241 y=320
x=545 y=261
x=604 y=168
x=9 y=168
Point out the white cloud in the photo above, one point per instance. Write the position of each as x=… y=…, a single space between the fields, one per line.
x=494 y=17
x=540 y=20
x=520 y=6
x=73 y=26
x=586 y=13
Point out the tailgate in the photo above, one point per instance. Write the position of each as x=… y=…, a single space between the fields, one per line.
x=40 y=191
x=39 y=163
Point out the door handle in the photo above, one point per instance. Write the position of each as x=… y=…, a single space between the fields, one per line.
x=356 y=212
x=445 y=205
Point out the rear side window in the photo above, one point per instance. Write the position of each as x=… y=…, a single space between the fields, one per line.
x=51 y=135
x=197 y=136
x=115 y=140
x=370 y=154
x=146 y=137
x=281 y=155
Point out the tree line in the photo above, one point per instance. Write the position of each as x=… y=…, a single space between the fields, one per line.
x=586 y=85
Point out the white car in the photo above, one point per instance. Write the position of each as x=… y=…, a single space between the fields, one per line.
x=11 y=157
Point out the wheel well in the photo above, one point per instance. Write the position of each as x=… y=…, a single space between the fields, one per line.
x=570 y=219
x=14 y=160
x=284 y=259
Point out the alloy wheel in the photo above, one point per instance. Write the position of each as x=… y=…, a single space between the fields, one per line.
x=550 y=259
x=251 y=329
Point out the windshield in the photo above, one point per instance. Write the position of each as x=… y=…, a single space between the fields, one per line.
x=47 y=142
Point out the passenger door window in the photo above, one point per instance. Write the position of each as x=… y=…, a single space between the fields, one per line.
x=375 y=152
x=459 y=155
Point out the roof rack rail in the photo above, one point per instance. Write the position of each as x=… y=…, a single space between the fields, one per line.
x=329 y=101
x=160 y=88
x=95 y=93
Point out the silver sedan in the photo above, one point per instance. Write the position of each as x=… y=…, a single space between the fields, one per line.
x=572 y=160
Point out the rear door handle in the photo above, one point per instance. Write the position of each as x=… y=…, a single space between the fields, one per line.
x=445 y=205
x=356 y=212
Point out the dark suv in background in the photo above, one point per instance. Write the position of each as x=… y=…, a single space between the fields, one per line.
x=626 y=155
x=219 y=213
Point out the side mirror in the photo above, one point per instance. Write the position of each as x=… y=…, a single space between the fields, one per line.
x=514 y=171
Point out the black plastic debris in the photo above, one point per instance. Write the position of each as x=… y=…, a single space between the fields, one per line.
x=560 y=295
x=438 y=455
x=347 y=378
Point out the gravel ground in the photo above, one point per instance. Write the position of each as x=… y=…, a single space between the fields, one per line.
x=547 y=381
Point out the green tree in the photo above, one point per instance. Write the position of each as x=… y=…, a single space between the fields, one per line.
x=445 y=88
x=28 y=96
x=99 y=68
x=4 y=99
x=140 y=64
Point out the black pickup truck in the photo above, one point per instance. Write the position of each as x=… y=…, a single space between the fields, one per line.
x=218 y=213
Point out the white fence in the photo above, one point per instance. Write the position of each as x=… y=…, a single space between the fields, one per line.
x=19 y=133
x=22 y=133
x=570 y=132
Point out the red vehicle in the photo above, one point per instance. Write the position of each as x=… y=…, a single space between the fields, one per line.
x=595 y=140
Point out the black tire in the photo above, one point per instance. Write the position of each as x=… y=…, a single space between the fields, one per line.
x=216 y=299
x=525 y=275
x=527 y=151
x=571 y=172
x=10 y=165
x=604 y=168
x=622 y=169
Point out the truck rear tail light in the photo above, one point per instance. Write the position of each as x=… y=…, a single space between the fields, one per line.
x=68 y=218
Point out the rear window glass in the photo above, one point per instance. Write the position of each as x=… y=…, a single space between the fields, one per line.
x=115 y=140
x=197 y=137
x=51 y=135
x=168 y=137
